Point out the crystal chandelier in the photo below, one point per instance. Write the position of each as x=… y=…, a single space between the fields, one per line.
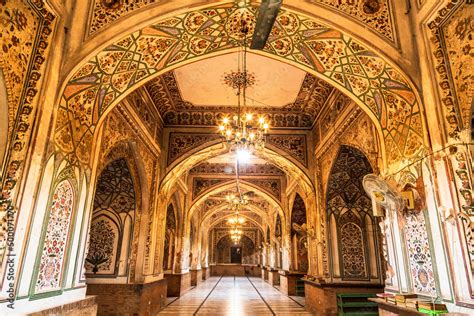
x=243 y=132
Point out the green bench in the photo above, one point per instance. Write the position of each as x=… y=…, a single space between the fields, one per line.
x=349 y=304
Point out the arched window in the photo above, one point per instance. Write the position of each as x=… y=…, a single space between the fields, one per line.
x=353 y=234
x=56 y=238
x=112 y=221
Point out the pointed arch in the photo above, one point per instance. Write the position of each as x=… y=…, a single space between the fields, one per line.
x=349 y=214
x=56 y=234
x=113 y=221
x=378 y=86
x=170 y=237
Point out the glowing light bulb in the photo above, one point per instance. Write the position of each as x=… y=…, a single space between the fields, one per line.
x=243 y=155
x=228 y=133
x=251 y=135
x=226 y=120
x=249 y=116
x=265 y=126
x=221 y=128
x=261 y=120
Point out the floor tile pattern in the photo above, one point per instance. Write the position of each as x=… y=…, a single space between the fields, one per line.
x=234 y=296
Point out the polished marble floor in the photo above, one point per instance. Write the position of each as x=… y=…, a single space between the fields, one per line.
x=234 y=296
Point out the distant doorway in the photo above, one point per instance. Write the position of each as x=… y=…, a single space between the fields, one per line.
x=236 y=254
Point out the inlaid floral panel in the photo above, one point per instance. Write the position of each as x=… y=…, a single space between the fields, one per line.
x=298 y=212
x=294 y=145
x=103 y=241
x=56 y=238
x=375 y=14
x=419 y=255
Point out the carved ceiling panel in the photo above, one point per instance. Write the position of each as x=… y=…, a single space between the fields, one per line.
x=180 y=143
x=244 y=169
x=272 y=186
x=176 y=111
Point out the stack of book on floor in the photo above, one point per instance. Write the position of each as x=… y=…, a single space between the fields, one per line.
x=401 y=298
x=431 y=308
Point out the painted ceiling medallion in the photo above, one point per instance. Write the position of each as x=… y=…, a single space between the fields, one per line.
x=112 y=4
x=237 y=79
x=371 y=6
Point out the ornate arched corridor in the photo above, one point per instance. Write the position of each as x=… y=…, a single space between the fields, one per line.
x=124 y=188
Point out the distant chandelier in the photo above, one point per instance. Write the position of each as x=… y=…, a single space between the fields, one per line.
x=243 y=132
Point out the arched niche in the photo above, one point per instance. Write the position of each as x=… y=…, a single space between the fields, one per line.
x=278 y=243
x=170 y=238
x=113 y=219
x=353 y=231
x=56 y=233
x=298 y=235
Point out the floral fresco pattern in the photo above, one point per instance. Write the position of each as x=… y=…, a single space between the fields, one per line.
x=452 y=42
x=343 y=61
x=375 y=14
x=102 y=246
x=56 y=238
x=24 y=40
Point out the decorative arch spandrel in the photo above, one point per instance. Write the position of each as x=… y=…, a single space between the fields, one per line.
x=372 y=82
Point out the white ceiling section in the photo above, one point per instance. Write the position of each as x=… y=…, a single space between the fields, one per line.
x=202 y=83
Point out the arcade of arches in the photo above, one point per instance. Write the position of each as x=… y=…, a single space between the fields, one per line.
x=114 y=176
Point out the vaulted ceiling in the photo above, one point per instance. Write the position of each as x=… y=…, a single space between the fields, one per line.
x=201 y=93
x=189 y=102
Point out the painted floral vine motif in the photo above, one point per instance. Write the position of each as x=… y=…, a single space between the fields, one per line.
x=465 y=189
x=101 y=246
x=56 y=238
x=19 y=25
x=419 y=253
x=452 y=28
x=375 y=14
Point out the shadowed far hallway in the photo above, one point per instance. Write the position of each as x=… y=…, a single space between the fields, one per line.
x=234 y=295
